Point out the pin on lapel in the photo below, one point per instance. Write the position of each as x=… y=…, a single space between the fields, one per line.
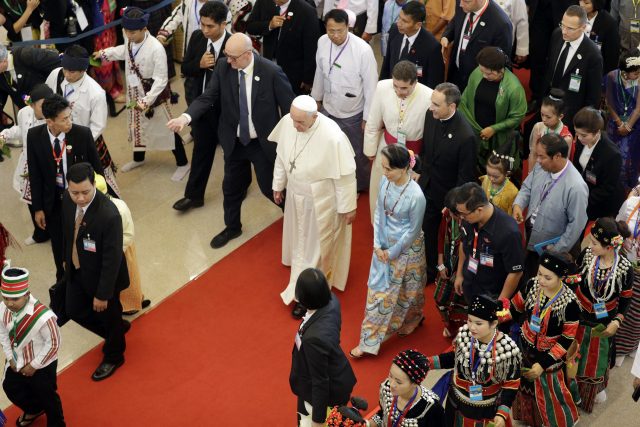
x=257 y=78
x=482 y=23
x=450 y=136
x=19 y=76
x=579 y=56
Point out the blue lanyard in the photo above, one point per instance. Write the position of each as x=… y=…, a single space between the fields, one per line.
x=195 y=12
x=597 y=282
x=475 y=364
x=331 y=64
x=66 y=94
x=547 y=305
x=139 y=47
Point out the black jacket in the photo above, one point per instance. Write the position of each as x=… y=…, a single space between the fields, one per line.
x=602 y=176
x=80 y=147
x=605 y=34
x=104 y=271
x=271 y=98
x=557 y=8
x=194 y=75
x=448 y=156
x=320 y=372
x=293 y=45
x=425 y=52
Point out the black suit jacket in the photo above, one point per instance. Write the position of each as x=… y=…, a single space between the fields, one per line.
x=194 y=75
x=294 y=44
x=492 y=29
x=320 y=372
x=271 y=98
x=602 y=176
x=32 y=66
x=103 y=271
x=588 y=61
x=425 y=52
x=558 y=7
x=42 y=166
x=605 y=32
x=448 y=156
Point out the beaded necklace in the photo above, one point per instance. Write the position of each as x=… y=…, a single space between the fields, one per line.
x=602 y=288
x=388 y=212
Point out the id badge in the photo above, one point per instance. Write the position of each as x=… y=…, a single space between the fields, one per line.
x=591 y=177
x=89 y=245
x=601 y=310
x=634 y=26
x=534 y=215
x=534 y=324
x=419 y=71
x=402 y=138
x=133 y=80
x=486 y=260
x=574 y=84
x=298 y=341
x=473 y=265
x=59 y=180
x=475 y=392
x=26 y=33
x=465 y=42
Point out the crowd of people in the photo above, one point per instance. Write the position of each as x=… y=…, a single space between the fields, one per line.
x=522 y=210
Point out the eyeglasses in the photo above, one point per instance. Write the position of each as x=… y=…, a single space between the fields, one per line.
x=569 y=29
x=235 y=58
x=337 y=32
x=466 y=214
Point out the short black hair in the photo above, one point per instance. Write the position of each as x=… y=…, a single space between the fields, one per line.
x=589 y=119
x=554 y=144
x=312 y=289
x=450 y=91
x=80 y=172
x=471 y=195
x=54 y=105
x=339 y=16
x=405 y=71
x=397 y=155
x=450 y=201
x=215 y=10
x=415 y=10
x=492 y=58
x=76 y=51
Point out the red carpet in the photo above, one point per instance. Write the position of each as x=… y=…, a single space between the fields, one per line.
x=218 y=351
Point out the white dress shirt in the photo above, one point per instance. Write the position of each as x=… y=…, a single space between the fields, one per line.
x=586 y=155
x=354 y=73
x=473 y=25
x=217 y=47
x=369 y=7
x=248 y=79
x=63 y=148
x=573 y=48
x=411 y=39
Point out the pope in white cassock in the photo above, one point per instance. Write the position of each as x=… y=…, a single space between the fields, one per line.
x=315 y=163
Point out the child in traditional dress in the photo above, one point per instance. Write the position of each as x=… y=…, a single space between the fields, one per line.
x=30 y=340
x=496 y=183
x=148 y=93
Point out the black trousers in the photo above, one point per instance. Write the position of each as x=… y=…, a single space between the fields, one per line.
x=205 y=141
x=430 y=227
x=178 y=153
x=53 y=219
x=39 y=235
x=540 y=29
x=36 y=393
x=237 y=178
x=108 y=324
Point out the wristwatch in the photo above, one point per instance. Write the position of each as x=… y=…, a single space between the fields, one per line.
x=441 y=267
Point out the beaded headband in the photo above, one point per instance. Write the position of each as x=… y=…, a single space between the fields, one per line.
x=484 y=307
x=606 y=238
x=413 y=363
x=505 y=157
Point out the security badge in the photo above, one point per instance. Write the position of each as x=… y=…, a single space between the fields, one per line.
x=600 y=310
x=576 y=79
x=88 y=244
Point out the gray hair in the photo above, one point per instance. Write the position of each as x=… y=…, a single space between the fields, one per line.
x=3 y=52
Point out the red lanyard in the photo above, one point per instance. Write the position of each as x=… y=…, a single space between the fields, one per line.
x=472 y=23
x=58 y=159
x=475 y=243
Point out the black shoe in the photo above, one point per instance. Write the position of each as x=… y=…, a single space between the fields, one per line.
x=185 y=204
x=532 y=106
x=223 y=238
x=298 y=311
x=127 y=325
x=105 y=370
x=146 y=303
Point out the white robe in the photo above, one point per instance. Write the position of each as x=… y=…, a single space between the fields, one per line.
x=320 y=187
x=146 y=134
x=385 y=114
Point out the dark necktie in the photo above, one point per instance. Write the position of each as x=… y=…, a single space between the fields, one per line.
x=405 y=50
x=559 y=70
x=468 y=28
x=57 y=151
x=244 y=111
x=209 y=71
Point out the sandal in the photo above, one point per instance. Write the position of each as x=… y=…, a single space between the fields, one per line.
x=356 y=356
x=23 y=421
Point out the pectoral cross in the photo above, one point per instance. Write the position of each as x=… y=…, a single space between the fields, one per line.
x=292 y=166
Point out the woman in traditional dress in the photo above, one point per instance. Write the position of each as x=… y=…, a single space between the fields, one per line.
x=628 y=335
x=623 y=102
x=604 y=294
x=452 y=307
x=404 y=401
x=486 y=370
x=108 y=73
x=348 y=416
x=550 y=313
x=398 y=267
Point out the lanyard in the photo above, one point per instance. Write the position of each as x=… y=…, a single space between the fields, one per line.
x=20 y=10
x=472 y=354
x=598 y=285
x=475 y=243
x=472 y=23
x=66 y=94
x=402 y=108
x=636 y=232
x=403 y=414
x=332 y=63
x=139 y=47
x=547 y=307
x=195 y=12
x=623 y=91
x=553 y=184
x=58 y=159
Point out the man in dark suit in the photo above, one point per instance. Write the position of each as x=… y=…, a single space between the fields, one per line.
x=476 y=25
x=448 y=160
x=95 y=267
x=321 y=375
x=290 y=38
x=408 y=40
x=255 y=95
x=574 y=64
x=205 y=49
x=22 y=69
x=52 y=148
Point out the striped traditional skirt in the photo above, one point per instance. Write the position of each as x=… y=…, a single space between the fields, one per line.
x=452 y=307
x=628 y=335
x=455 y=418
x=399 y=308
x=593 y=366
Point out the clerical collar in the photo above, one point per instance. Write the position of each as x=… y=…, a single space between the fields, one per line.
x=448 y=118
x=561 y=171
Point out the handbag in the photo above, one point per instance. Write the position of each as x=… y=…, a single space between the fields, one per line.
x=58 y=296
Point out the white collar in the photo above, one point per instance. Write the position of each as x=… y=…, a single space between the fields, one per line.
x=556 y=175
x=576 y=43
x=217 y=45
x=448 y=118
x=411 y=39
x=285 y=6
x=52 y=137
x=84 y=210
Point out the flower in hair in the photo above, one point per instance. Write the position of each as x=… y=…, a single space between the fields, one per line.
x=633 y=61
x=617 y=241
x=412 y=159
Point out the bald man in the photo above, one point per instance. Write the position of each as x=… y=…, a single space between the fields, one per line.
x=254 y=94
x=315 y=163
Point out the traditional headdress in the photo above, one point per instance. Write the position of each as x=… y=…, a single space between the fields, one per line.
x=348 y=416
x=555 y=264
x=606 y=238
x=414 y=364
x=129 y=23
x=633 y=61
x=75 y=63
x=14 y=282
x=484 y=308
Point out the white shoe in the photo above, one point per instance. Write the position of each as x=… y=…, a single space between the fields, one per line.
x=601 y=397
x=29 y=241
x=131 y=166
x=619 y=360
x=181 y=172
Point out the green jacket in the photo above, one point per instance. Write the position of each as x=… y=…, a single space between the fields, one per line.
x=511 y=107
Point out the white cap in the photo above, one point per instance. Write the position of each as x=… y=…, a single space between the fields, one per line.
x=305 y=103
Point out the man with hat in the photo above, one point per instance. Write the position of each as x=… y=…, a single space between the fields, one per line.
x=30 y=340
x=88 y=101
x=315 y=163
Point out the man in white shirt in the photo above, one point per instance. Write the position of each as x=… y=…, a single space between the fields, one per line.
x=516 y=10
x=344 y=83
x=366 y=15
